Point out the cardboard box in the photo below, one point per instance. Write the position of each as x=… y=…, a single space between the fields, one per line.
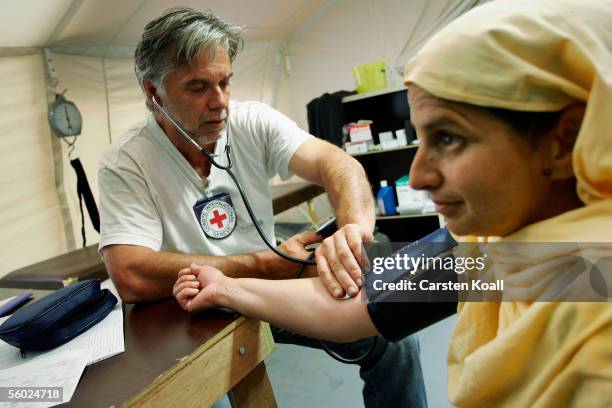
x=391 y=144
x=360 y=133
x=354 y=148
x=408 y=199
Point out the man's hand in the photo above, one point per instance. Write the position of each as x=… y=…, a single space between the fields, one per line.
x=197 y=287
x=340 y=259
x=295 y=247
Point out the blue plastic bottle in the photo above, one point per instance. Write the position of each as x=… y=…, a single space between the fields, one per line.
x=386 y=199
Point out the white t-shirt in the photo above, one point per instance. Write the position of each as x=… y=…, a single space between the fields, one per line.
x=148 y=189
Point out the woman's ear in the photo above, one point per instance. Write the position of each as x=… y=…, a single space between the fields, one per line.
x=563 y=136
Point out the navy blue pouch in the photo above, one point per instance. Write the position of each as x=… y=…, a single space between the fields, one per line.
x=58 y=317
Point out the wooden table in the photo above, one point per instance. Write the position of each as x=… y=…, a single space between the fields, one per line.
x=172 y=358
x=286 y=196
x=86 y=263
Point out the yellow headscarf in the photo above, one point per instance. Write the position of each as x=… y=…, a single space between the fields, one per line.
x=535 y=55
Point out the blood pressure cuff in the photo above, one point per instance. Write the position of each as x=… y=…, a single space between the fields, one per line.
x=400 y=318
x=397 y=314
x=58 y=317
x=395 y=320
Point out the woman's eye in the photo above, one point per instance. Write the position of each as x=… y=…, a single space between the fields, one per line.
x=448 y=139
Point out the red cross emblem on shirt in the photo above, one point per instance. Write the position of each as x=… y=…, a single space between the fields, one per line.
x=218 y=219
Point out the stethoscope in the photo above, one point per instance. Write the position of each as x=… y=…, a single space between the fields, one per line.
x=228 y=168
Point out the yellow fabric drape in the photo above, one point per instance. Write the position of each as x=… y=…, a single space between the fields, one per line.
x=535 y=55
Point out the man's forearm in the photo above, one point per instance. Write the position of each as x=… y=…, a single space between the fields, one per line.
x=349 y=192
x=303 y=306
x=142 y=274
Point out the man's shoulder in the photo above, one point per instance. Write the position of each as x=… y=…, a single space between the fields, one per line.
x=248 y=108
x=255 y=115
x=129 y=144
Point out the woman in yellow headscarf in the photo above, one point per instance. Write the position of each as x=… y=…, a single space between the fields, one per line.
x=528 y=56
x=512 y=103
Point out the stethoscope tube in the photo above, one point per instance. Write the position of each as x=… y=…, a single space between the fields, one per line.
x=304 y=262
x=326 y=348
x=227 y=168
x=258 y=228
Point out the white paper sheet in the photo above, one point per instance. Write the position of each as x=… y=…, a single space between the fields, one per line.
x=64 y=365
x=53 y=369
x=105 y=339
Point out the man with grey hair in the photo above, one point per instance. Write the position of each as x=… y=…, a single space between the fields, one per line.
x=153 y=179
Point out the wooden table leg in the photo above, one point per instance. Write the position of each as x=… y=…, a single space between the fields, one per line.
x=254 y=390
x=232 y=360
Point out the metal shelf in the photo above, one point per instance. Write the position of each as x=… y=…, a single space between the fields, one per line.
x=365 y=95
x=399 y=217
x=410 y=146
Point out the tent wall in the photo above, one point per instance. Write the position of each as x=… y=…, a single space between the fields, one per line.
x=84 y=78
x=315 y=58
x=31 y=224
x=354 y=32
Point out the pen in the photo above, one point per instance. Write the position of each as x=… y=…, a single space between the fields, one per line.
x=14 y=303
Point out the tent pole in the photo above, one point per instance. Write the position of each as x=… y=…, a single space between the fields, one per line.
x=313 y=18
x=278 y=55
x=64 y=21
x=51 y=81
x=281 y=49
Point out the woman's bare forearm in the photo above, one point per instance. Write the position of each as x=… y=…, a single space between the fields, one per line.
x=303 y=306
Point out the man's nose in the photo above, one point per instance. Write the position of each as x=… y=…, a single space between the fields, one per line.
x=424 y=174
x=219 y=98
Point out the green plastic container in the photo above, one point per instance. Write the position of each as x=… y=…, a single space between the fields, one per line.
x=370 y=77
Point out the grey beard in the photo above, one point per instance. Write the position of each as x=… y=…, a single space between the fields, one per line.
x=194 y=133
x=202 y=141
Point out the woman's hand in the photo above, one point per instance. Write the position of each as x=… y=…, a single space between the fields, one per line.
x=197 y=287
